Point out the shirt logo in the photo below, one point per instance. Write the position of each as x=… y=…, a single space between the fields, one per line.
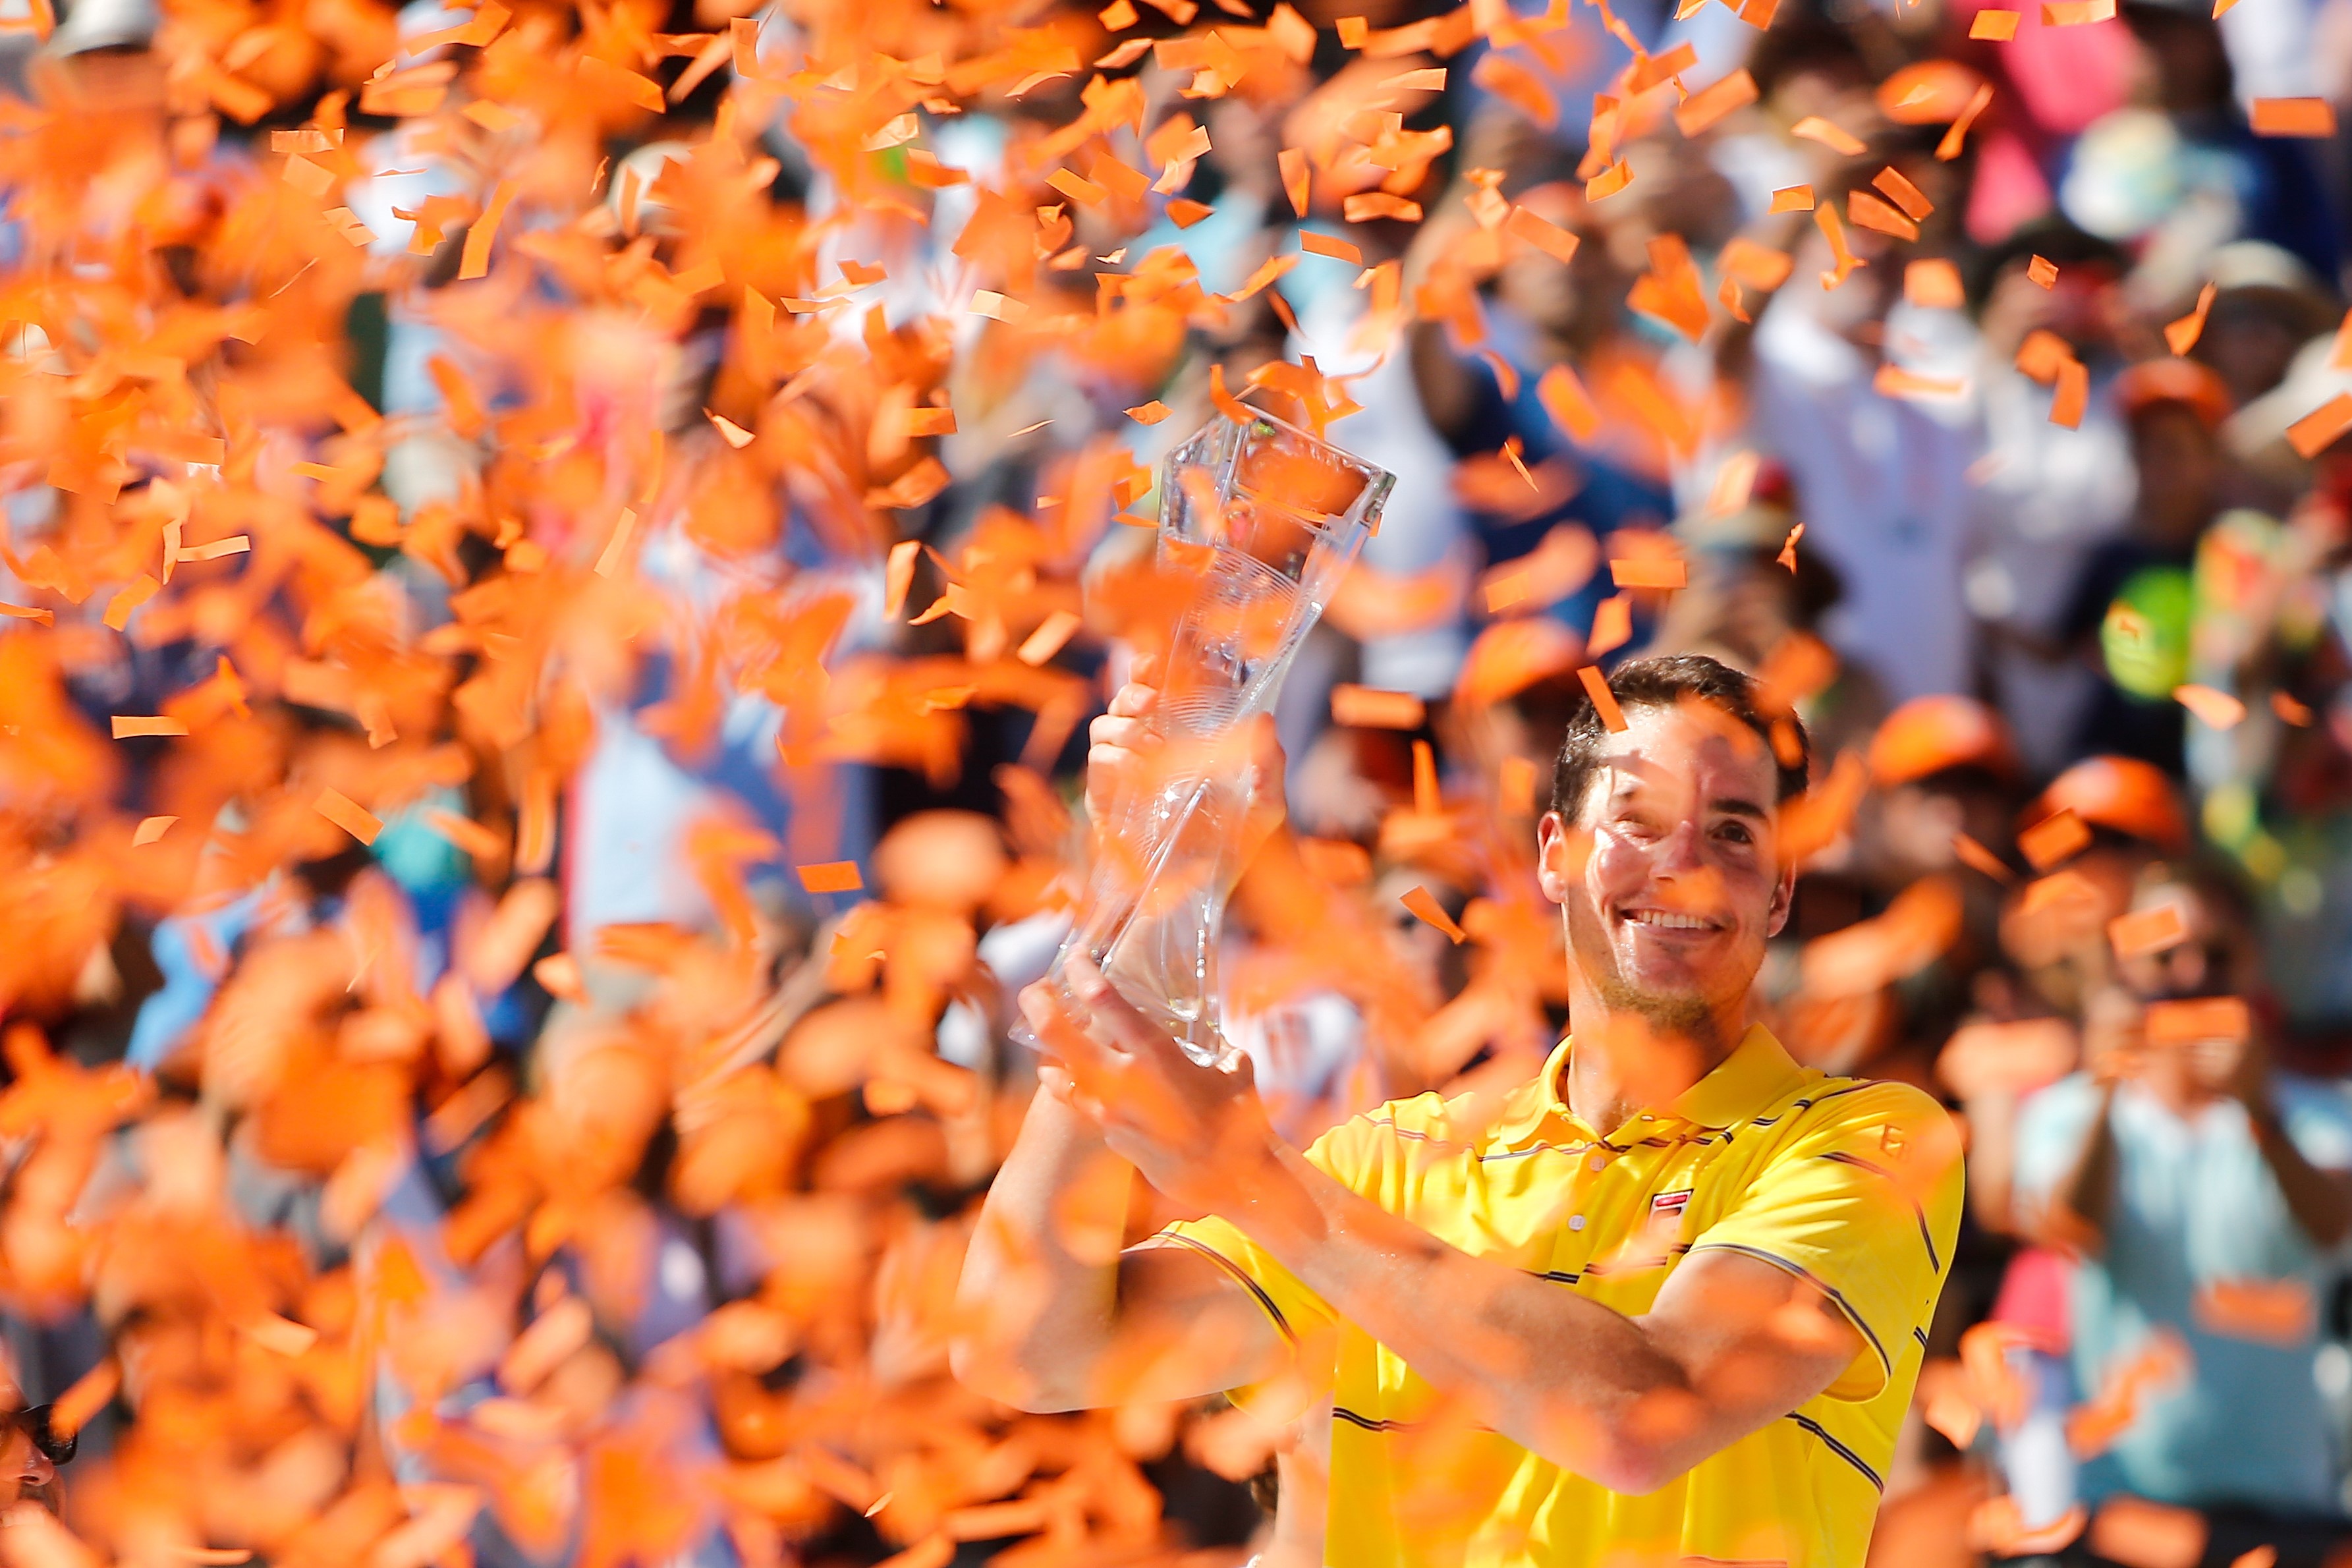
x=1667 y=1208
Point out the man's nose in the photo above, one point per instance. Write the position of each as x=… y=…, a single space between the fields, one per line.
x=1678 y=850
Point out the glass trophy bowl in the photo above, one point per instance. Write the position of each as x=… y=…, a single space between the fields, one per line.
x=1266 y=519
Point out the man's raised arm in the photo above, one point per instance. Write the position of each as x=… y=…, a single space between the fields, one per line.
x=1043 y=1328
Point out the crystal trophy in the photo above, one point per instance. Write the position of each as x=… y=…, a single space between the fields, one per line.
x=1266 y=519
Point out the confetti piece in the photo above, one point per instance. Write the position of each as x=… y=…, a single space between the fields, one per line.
x=1046 y=641
x=1894 y=381
x=899 y=576
x=2180 y=336
x=236 y=544
x=2318 y=430
x=2056 y=838
x=1977 y=857
x=2216 y=709
x=616 y=553
x=1613 y=624
x=1605 y=701
x=2043 y=270
x=1649 y=572
x=1711 y=103
x=118 y=608
x=1362 y=708
x=222 y=1556
x=1429 y=911
x=734 y=435
x=1836 y=137
x=2308 y=117
x=2202 y=1019
x=1185 y=213
x=1570 y=406
x=1608 y=182
x=1293 y=166
x=1958 y=135
x=2077 y=13
x=1825 y=218
x=475 y=261
x=1324 y=244
x=2073 y=394
x=1933 y=283
x=1792 y=199
x=2146 y=932
x=126 y=727
x=27 y=613
x=1994 y=24
x=1910 y=198
x=832 y=877
x=150 y=829
x=2290 y=711
x=1787 y=556
x=348 y=815
x=1542 y=233
x=1867 y=211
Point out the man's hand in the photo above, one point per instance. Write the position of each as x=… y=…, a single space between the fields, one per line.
x=1125 y=745
x=1197 y=1133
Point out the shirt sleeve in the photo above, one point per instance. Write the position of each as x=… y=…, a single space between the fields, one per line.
x=1345 y=1153
x=1864 y=1202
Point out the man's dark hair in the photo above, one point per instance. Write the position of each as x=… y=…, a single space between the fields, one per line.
x=1663 y=683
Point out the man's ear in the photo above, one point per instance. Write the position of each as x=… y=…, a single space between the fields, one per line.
x=1558 y=860
x=1784 y=898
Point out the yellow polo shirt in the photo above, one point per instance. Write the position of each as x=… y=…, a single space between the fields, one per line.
x=1852 y=1185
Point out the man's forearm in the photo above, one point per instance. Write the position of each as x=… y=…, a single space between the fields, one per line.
x=2316 y=1198
x=1562 y=1375
x=1036 y=1314
x=2077 y=1216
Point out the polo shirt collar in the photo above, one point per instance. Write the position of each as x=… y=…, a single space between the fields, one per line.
x=1757 y=1072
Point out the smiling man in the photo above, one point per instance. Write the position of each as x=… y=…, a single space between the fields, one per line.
x=1667 y=1308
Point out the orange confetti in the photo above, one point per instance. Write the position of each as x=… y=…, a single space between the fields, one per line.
x=2310 y=117
x=1955 y=137
x=1570 y=406
x=475 y=259
x=126 y=727
x=1429 y=911
x=831 y=877
x=1361 y=707
x=1994 y=24
x=2180 y=336
x=151 y=828
x=1605 y=701
x=1792 y=199
x=2146 y=932
x=2216 y=709
x=1711 y=103
x=2043 y=270
x=2318 y=430
x=348 y=815
x=2072 y=396
x=1976 y=857
x=1836 y=137
x=1293 y=164
x=2058 y=836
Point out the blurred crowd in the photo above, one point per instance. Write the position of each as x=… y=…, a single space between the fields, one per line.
x=558 y=561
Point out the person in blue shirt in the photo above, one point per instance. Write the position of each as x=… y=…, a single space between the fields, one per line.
x=2184 y=1175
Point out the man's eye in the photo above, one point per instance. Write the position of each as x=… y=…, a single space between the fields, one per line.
x=1736 y=833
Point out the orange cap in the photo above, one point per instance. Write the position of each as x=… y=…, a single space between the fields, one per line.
x=1928 y=734
x=2119 y=793
x=2183 y=381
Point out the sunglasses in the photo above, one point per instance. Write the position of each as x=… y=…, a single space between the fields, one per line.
x=34 y=1423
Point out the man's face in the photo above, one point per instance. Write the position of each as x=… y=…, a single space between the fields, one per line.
x=1670 y=879
x=26 y=1475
